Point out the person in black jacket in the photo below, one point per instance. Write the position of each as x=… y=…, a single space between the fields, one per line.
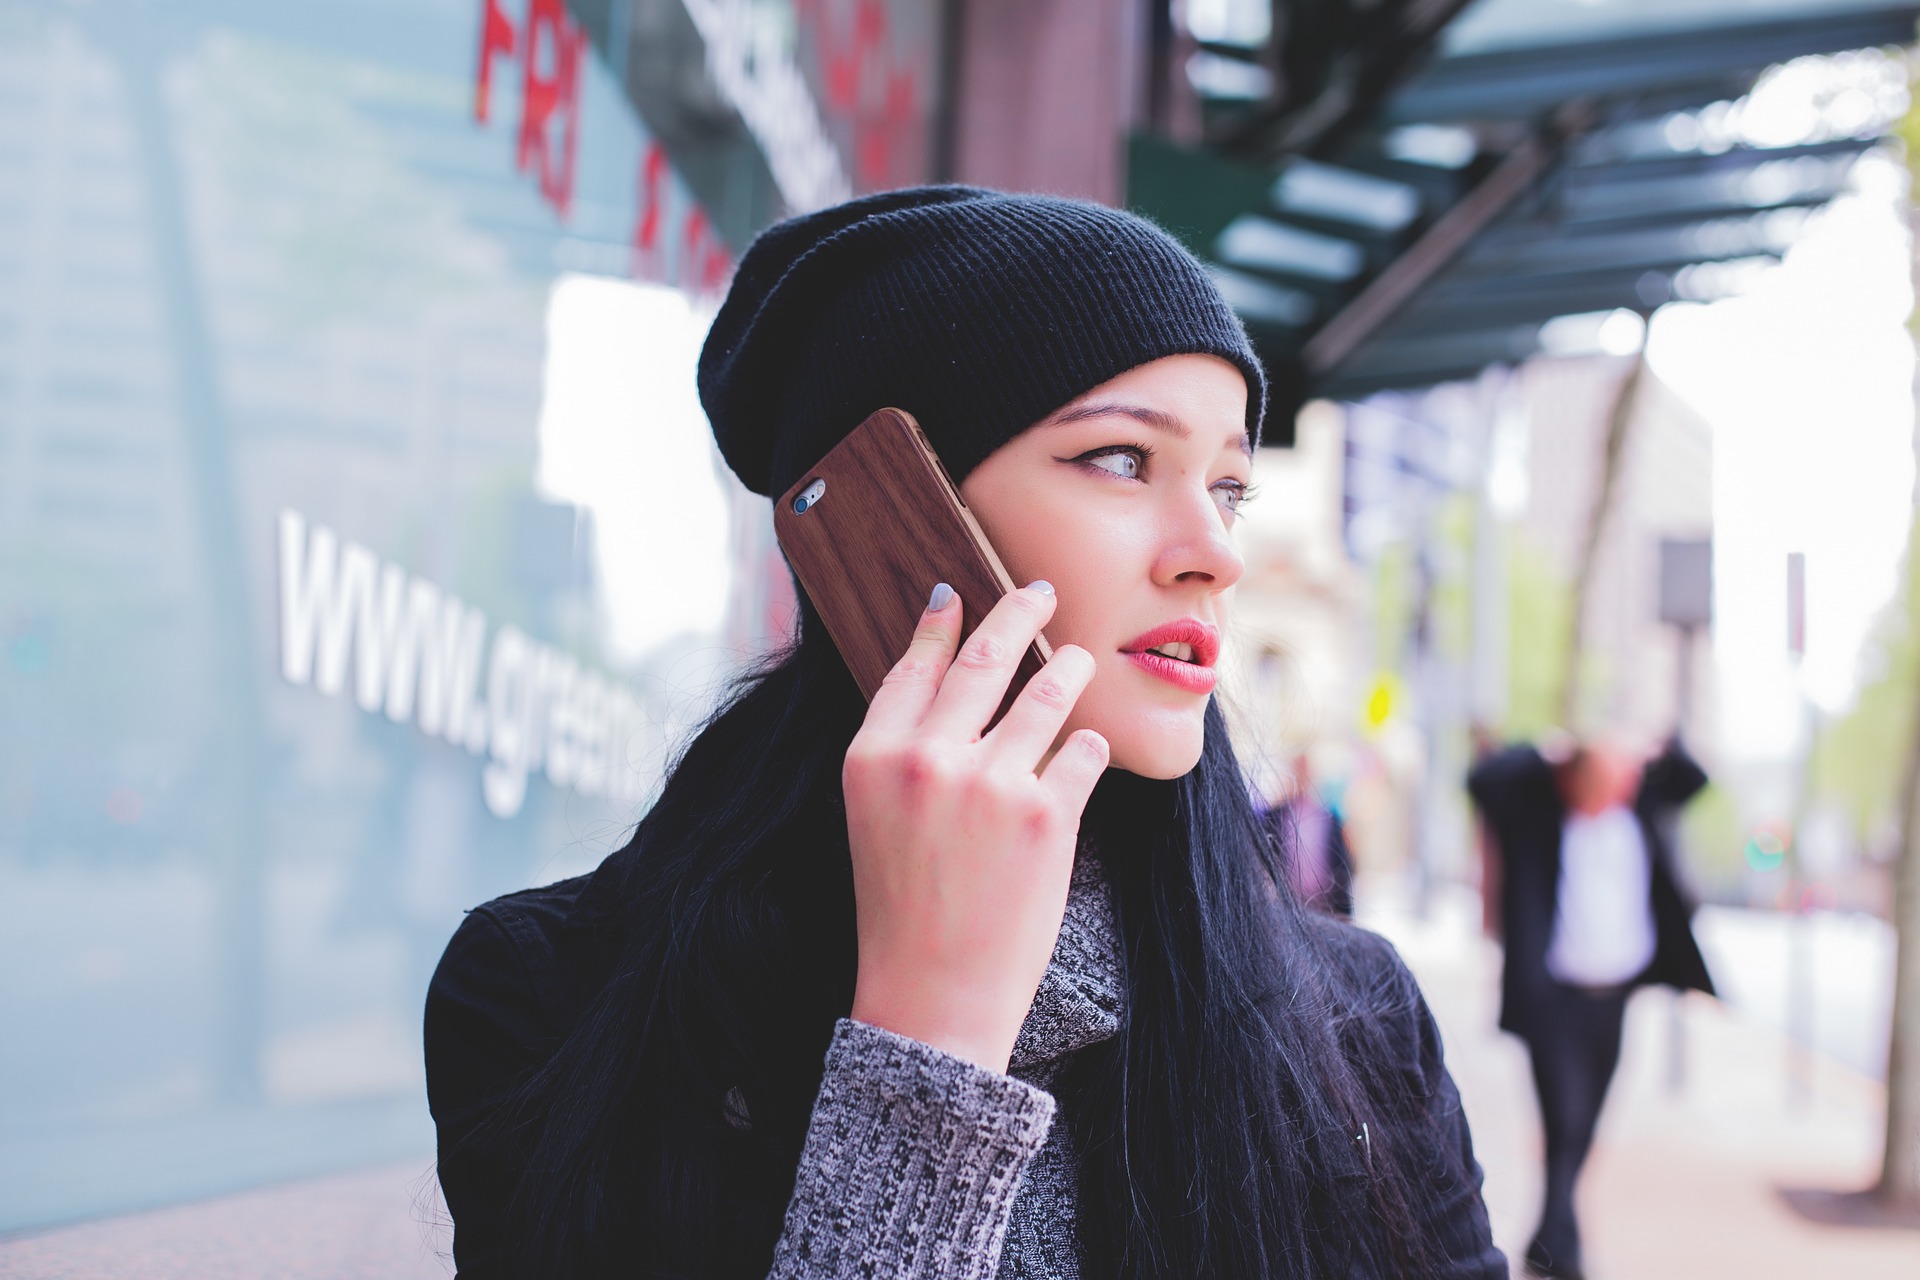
x=1590 y=909
x=897 y=988
x=1312 y=841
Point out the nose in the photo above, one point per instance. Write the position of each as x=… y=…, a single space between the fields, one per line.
x=1197 y=546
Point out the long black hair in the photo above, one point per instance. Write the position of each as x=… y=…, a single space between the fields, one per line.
x=1221 y=1130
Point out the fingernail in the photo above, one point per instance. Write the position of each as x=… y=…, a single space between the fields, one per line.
x=942 y=596
x=1041 y=584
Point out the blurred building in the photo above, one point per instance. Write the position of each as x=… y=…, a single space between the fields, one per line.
x=1629 y=679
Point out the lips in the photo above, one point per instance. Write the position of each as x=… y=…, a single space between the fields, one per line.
x=1201 y=642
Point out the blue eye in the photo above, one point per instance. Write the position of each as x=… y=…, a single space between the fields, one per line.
x=1124 y=464
x=1232 y=495
x=1124 y=460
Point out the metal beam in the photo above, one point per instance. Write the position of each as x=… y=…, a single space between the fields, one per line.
x=1470 y=308
x=1704 y=186
x=1414 y=362
x=1525 y=81
x=1642 y=167
x=1549 y=249
x=1452 y=232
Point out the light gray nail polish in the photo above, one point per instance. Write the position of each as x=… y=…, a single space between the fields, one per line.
x=942 y=593
x=1041 y=584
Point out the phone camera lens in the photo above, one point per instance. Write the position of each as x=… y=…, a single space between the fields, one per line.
x=809 y=496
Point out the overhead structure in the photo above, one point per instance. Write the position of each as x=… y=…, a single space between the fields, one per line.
x=1483 y=171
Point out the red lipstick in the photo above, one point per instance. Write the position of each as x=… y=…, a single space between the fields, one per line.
x=1195 y=676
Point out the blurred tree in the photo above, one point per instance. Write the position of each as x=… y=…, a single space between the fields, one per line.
x=1453 y=587
x=1900 y=1169
x=1899 y=1188
x=1859 y=763
x=1539 y=616
x=1869 y=763
x=1393 y=595
x=1612 y=449
x=1713 y=845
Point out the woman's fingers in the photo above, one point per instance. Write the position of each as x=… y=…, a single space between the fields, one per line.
x=977 y=681
x=1070 y=776
x=1025 y=733
x=961 y=858
x=903 y=697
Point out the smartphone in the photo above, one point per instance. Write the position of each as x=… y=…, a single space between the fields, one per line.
x=871 y=528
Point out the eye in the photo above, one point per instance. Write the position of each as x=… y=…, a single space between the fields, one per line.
x=1124 y=460
x=1232 y=495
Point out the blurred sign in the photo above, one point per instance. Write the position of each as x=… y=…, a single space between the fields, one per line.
x=1382 y=698
x=1686 y=582
x=416 y=653
x=768 y=107
x=764 y=85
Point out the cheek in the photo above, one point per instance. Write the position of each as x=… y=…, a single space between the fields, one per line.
x=1041 y=542
x=1144 y=735
x=1092 y=570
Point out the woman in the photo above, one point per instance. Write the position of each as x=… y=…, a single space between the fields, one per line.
x=873 y=993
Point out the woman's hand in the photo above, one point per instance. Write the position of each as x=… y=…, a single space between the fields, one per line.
x=963 y=842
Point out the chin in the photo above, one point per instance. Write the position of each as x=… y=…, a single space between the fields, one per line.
x=1157 y=750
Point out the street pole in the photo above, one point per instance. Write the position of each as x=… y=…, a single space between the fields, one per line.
x=1686 y=604
x=1899 y=1187
x=1676 y=998
x=1800 y=1012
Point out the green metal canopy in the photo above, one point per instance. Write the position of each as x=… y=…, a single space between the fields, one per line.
x=1426 y=215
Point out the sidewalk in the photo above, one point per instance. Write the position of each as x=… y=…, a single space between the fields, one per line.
x=1681 y=1184
x=383 y=1223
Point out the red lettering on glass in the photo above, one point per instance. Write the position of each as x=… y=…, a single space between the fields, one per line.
x=874 y=138
x=704 y=261
x=693 y=245
x=715 y=268
x=549 y=43
x=861 y=83
x=653 y=181
x=496 y=41
x=870 y=35
x=550 y=100
x=649 y=210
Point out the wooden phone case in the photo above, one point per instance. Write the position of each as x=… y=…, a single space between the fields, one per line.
x=888 y=526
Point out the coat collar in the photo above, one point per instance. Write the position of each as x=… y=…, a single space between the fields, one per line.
x=1082 y=996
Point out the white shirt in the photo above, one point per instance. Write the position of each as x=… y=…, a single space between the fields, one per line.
x=1603 y=922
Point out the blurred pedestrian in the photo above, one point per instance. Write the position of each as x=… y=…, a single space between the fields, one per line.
x=1312 y=841
x=1591 y=908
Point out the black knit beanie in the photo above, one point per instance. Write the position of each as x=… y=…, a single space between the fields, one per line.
x=978 y=312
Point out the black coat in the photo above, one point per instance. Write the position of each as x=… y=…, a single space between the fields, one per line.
x=521 y=968
x=1516 y=793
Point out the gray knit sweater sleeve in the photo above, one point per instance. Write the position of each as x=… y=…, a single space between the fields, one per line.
x=911 y=1163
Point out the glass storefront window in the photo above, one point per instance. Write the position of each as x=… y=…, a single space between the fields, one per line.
x=363 y=553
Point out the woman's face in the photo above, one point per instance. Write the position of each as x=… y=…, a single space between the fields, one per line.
x=1125 y=501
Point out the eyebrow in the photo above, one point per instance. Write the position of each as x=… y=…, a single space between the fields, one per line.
x=1158 y=419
